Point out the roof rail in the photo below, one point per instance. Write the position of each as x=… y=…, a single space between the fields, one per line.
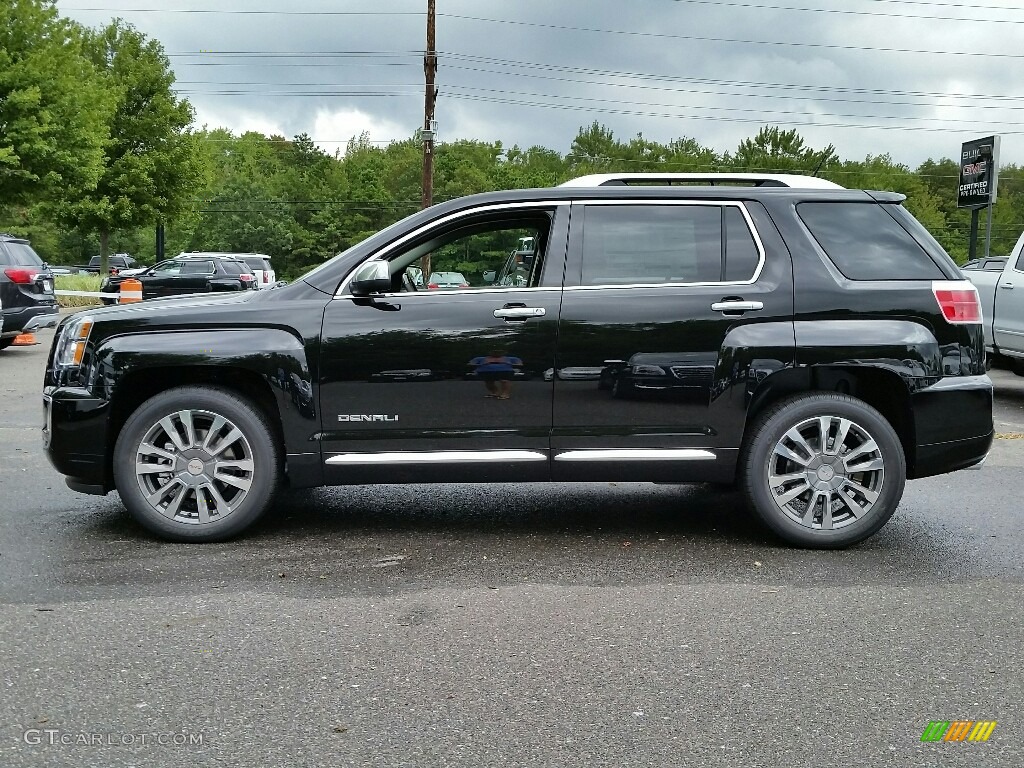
x=707 y=179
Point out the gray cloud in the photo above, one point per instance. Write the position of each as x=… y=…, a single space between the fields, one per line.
x=536 y=82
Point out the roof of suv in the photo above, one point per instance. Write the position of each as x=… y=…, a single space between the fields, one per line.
x=212 y=256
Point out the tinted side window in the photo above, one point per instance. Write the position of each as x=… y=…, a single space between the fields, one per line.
x=233 y=267
x=643 y=244
x=741 y=254
x=866 y=243
x=19 y=255
x=192 y=267
x=1019 y=266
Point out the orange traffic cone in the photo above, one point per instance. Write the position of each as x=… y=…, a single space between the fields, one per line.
x=25 y=340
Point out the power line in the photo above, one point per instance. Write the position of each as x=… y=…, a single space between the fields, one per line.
x=739 y=41
x=262 y=84
x=723 y=3
x=677 y=116
x=713 y=81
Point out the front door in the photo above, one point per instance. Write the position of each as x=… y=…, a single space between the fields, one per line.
x=663 y=303
x=424 y=384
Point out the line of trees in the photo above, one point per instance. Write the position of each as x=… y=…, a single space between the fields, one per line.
x=96 y=149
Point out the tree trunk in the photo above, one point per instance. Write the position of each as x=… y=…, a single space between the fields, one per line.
x=104 y=256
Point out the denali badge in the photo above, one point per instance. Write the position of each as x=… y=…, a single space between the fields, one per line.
x=366 y=417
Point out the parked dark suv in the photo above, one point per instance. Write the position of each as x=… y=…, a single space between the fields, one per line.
x=812 y=344
x=26 y=290
x=185 y=274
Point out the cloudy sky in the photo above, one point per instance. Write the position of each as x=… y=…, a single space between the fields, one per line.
x=909 y=78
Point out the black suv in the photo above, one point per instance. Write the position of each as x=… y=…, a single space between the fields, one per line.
x=26 y=290
x=185 y=274
x=812 y=344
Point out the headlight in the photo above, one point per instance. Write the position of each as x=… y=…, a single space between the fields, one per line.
x=71 y=345
x=648 y=370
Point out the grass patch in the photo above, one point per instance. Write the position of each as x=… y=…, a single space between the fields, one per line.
x=77 y=283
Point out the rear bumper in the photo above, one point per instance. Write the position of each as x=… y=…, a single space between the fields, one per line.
x=953 y=425
x=28 y=319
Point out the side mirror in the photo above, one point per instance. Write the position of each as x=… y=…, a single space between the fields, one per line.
x=490 y=275
x=371 y=277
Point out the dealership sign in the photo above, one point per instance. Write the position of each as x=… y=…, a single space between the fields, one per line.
x=979 y=173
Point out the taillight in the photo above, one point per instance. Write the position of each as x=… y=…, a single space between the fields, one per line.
x=958 y=300
x=463 y=285
x=433 y=285
x=21 y=276
x=266 y=276
x=246 y=278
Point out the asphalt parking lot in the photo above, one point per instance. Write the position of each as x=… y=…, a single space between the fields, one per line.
x=602 y=625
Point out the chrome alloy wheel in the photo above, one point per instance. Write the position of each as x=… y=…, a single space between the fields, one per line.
x=826 y=472
x=194 y=466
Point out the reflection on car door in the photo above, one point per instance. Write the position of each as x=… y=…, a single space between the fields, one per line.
x=446 y=386
x=666 y=298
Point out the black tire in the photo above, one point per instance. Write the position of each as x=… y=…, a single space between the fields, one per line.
x=212 y=472
x=5 y=343
x=769 y=477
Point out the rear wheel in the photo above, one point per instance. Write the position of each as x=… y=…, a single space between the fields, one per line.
x=196 y=464
x=5 y=343
x=823 y=470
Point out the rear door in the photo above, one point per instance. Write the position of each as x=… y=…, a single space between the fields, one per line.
x=194 y=277
x=672 y=312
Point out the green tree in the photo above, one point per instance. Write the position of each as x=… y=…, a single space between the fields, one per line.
x=151 y=159
x=774 y=149
x=53 y=110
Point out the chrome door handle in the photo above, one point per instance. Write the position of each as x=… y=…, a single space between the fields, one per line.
x=737 y=306
x=519 y=313
x=1006 y=285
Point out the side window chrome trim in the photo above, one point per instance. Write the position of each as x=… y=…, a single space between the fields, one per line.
x=719 y=203
x=389 y=249
x=458 y=292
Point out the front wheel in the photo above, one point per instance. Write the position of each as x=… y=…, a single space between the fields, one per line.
x=823 y=470
x=196 y=464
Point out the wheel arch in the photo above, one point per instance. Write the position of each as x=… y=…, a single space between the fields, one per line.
x=266 y=367
x=884 y=390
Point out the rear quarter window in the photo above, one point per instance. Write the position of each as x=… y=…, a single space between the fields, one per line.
x=864 y=242
x=257 y=264
x=19 y=255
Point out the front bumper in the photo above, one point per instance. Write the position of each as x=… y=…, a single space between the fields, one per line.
x=75 y=437
x=952 y=425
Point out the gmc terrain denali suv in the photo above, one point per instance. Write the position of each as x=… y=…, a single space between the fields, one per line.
x=812 y=344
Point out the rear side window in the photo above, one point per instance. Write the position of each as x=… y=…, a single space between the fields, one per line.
x=866 y=243
x=651 y=244
x=257 y=264
x=19 y=255
x=741 y=254
x=234 y=267
x=191 y=267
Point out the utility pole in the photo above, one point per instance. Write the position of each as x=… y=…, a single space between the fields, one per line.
x=429 y=99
